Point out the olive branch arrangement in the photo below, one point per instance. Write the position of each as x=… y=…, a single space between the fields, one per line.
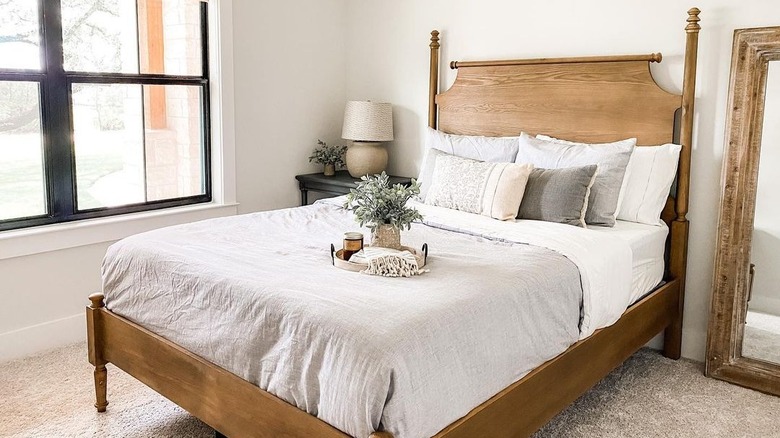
x=375 y=202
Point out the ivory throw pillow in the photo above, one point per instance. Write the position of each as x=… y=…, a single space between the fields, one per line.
x=611 y=159
x=490 y=149
x=649 y=178
x=558 y=195
x=489 y=189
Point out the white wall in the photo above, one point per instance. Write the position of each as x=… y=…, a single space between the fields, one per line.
x=766 y=233
x=287 y=66
x=290 y=59
x=387 y=55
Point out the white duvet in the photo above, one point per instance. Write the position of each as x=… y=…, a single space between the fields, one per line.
x=604 y=261
x=256 y=295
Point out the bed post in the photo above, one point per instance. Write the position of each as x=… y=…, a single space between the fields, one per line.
x=95 y=346
x=679 y=227
x=434 y=79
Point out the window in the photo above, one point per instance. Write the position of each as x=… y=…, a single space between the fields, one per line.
x=104 y=108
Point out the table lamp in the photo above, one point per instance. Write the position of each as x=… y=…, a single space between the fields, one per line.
x=367 y=124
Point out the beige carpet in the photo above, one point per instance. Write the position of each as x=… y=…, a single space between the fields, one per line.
x=51 y=396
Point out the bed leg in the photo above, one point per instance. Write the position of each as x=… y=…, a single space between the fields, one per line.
x=673 y=339
x=381 y=435
x=101 y=375
x=95 y=346
x=677 y=263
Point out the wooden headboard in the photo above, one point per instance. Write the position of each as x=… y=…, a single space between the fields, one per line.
x=583 y=99
x=589 y=99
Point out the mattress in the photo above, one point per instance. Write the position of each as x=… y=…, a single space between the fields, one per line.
x=648 y=244
x=256 y=295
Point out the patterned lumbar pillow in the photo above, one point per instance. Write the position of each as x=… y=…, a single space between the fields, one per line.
x=558 y=195
x=489 y=189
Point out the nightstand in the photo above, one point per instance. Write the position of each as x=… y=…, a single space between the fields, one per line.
x=339 y=184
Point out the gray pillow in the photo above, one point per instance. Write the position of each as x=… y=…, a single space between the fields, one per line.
x=611 y=158
x=558 y=195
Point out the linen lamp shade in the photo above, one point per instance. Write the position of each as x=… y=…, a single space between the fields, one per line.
x=367 y=124
x=368 y=121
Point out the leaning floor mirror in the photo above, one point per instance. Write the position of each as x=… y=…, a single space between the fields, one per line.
x=743 y=345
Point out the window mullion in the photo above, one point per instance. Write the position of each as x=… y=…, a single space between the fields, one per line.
x=57 y=116
x=206 y=97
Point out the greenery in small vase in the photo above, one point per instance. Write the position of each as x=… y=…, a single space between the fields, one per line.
x=325 y=154
x=375 y=202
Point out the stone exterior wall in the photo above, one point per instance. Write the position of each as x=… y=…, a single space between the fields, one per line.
x=174 y=152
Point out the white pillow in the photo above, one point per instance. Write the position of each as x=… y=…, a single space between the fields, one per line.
x=490 y=149
x=611 y=159
x=490 y=189
x=650 y=175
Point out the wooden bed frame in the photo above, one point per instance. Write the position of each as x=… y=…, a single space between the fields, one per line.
x=589 y=99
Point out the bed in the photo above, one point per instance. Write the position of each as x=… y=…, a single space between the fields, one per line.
x=180 y=303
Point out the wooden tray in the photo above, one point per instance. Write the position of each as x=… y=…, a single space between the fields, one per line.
x=338 y=261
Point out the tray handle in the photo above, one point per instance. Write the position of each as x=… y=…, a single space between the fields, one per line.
x=425 y=252
x=332 y=255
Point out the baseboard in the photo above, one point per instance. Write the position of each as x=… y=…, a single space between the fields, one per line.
x=764 y=304
x=693 y=344
x=42 y=337
x=657 y=343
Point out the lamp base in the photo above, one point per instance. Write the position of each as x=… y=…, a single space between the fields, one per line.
x=366 y=158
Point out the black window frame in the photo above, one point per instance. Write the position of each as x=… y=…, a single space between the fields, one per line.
x=59 y=156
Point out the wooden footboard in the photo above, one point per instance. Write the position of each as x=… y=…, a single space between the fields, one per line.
x=219 y=398
x=238 y=408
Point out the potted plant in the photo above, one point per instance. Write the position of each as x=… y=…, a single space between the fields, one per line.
x=382 y=208
x=329 y=156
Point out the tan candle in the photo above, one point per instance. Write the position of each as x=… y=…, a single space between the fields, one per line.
x=353 y=242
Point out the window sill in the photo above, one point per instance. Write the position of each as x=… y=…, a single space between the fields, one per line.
x=47 y=238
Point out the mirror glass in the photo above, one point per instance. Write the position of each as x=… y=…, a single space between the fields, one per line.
x=762 y=323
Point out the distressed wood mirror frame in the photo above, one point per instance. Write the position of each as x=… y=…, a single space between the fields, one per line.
x=751 y=53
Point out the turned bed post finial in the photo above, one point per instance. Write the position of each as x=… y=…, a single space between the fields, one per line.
x=96 y=300
x=693 y=20
x=434 y=79
x=95 y=349
x=435 y=39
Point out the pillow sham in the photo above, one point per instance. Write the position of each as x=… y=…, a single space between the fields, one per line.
x=611 y=158
x=489 y=189
x=649 y=178
x=625 y=177
x=490 y=149
x=558 y=195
